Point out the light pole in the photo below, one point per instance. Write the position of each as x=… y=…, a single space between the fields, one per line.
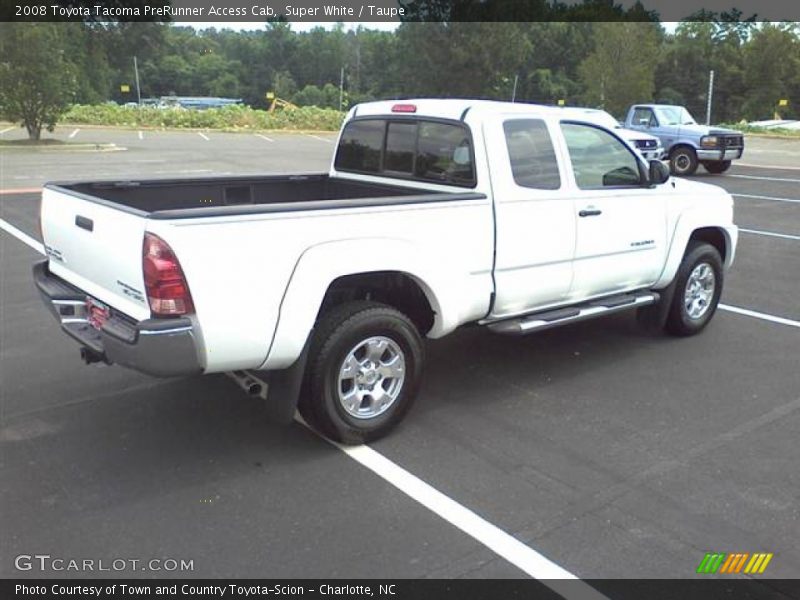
x=136 y=72
x=341 y=88
x=710 y=95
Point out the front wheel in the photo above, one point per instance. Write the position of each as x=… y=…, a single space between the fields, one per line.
x=697 y=290
x=716 y=166
x=363 y=373
x=683 y=161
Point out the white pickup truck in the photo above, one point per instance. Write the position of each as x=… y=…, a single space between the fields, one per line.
x=434 y=214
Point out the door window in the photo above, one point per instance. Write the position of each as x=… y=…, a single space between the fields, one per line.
x=644 y=117
x=599 y=159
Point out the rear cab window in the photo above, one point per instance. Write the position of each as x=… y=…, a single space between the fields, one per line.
x=418 y=149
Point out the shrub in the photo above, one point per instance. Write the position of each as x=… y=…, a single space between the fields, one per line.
x=228 y=117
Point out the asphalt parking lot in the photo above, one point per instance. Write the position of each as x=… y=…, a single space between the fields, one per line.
x=611 y=452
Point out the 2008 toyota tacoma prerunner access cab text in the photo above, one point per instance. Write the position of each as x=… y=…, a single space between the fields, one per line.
x=434 y=214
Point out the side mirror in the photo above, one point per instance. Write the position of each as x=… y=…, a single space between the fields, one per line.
x=659 y=172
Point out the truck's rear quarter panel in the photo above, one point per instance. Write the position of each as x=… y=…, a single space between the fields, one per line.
x=239 y=267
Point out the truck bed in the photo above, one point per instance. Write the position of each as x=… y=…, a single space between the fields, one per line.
x=176 y=198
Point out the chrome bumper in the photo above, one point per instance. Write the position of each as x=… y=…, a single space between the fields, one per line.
x=159 y=347
x=729 y=154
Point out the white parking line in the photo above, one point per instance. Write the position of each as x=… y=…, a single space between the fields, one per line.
x=785 y=236
x=74 y=133
x=760 y=178
x=141 y=135
x=776 y=167
x=759 y=315
x=501 y=543
x=21 y=236
x=263 y=137
x=5 y=130
x=203 y=135
x=316 y=137
x=792 y=200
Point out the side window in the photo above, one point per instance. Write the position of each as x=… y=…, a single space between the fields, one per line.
x=444 y=154
x=360 y=146
x=533 y=160
x=599 y=159
x=644 y=117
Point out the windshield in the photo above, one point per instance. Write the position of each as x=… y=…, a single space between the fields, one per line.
x=674 y=115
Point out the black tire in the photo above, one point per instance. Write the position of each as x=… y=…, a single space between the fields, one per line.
x=336 y=334
x=683 y=161
x=680 y=321
x=716 y=166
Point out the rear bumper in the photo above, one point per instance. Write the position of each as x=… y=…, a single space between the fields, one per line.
x=159 y=347
x=729 y=154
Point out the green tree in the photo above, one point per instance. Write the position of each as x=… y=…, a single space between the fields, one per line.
x=772 y=70
x=697 y=48
x=621 y=68
x=460 y=59
x=37 y=80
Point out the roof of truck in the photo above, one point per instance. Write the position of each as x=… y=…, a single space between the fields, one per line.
x=449 y=108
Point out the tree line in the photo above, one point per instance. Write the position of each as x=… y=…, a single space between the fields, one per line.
x=598 y=64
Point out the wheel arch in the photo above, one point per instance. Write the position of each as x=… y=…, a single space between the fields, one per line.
x=398 y=289
x=400 y=275
x=716 y=236
x=681 y=144
x=723 y=238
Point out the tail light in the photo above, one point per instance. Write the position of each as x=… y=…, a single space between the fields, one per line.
x=167 y=290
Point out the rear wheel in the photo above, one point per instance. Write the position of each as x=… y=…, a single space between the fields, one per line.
x=683 y=161
x=363 y=373
x=697 y=290
x=716 y=166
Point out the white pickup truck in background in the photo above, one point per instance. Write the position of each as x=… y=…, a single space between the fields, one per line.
x=434 y=214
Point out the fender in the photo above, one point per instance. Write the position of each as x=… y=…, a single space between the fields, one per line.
x=688 y=222
x=683 y=141
x=451 y=294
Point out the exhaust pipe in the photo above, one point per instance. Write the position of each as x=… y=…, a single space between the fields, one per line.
x=251 y=384
x=90 y=356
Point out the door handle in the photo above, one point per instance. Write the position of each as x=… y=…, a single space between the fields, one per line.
x=84 y=223
x=591 y=212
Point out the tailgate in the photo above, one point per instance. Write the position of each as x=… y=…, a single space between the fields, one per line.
x=96 y=247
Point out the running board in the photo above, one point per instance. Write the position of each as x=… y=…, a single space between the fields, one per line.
x=562 y=316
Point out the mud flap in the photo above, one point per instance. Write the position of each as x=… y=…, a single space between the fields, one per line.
x=653 y=318
x=284 y=390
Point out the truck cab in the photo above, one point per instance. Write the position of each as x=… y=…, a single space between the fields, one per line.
x=687 y=144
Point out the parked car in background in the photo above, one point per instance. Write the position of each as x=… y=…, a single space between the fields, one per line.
x=687 y=144
x=649 y=146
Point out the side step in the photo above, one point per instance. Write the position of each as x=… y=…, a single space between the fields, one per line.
x=562 y=316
